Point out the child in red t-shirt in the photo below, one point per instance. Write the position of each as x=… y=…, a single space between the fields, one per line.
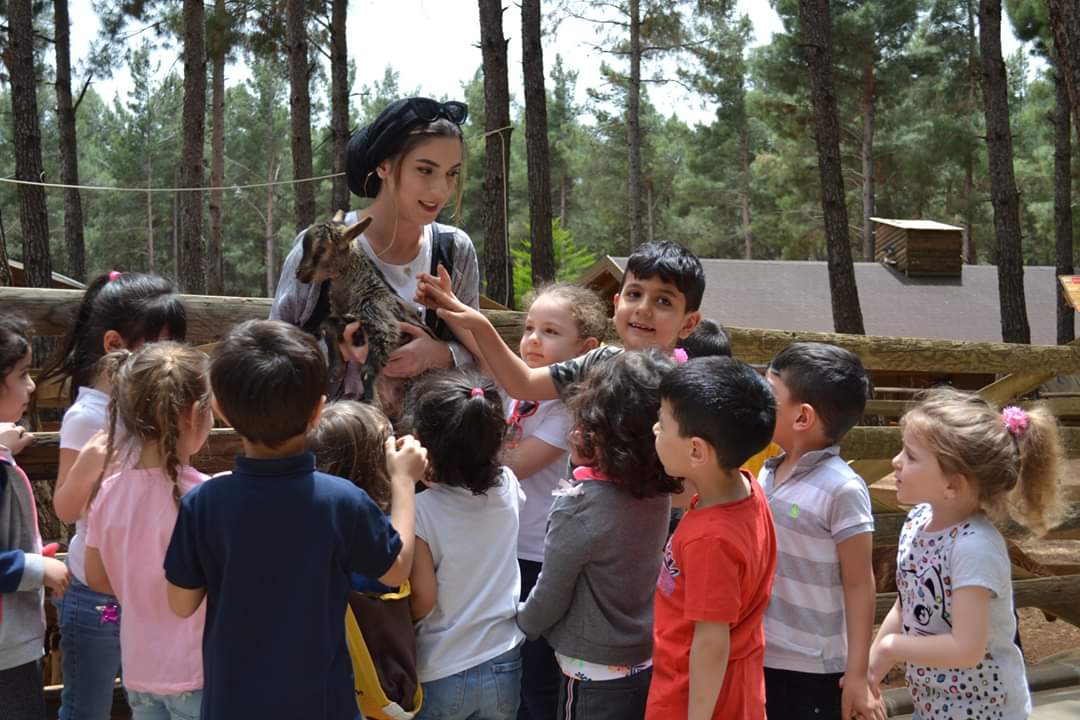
x=718 y=567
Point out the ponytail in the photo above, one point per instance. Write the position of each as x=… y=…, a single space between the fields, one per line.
x=1036 y=502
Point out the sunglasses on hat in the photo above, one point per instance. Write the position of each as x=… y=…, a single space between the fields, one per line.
x=430 y=110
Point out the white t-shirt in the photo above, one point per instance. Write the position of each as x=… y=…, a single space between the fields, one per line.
x=929 y=567
x=402 y=278
x=86 y=416
x=472 y=540
x=551 y=424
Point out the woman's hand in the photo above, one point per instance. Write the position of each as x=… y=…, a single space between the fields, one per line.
x=14 y=437
x=437 y=293
x=421 y=353
x=353 y=353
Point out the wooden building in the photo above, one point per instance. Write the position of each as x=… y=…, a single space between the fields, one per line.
x=918 y=248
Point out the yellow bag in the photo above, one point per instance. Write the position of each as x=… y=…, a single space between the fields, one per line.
x=382 y=648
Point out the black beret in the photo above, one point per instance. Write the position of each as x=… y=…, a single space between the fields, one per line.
x=370 y=145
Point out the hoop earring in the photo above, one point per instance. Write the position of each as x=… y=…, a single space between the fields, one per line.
x=366 y=178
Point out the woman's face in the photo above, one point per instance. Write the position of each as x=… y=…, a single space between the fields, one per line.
x=426 y=179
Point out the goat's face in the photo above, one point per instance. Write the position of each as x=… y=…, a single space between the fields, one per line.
x=326 y=249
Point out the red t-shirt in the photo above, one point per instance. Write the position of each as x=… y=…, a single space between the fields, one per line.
x=718 y=567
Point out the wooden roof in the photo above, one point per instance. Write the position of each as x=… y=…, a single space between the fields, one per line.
x=916 y=224
x=794 y=295
x=63 y=282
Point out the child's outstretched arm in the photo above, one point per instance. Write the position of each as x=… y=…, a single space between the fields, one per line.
x=857 y=579
x=709 y=651
x=406 y=460
x=516 y=378
x=964 y=647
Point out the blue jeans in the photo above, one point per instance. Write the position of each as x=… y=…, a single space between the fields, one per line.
x=151 y=706
x=90 y=643
x=489 y=691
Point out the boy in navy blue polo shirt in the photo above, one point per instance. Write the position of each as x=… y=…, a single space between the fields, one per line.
x=271 y=545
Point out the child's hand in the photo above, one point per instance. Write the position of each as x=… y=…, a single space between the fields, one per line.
x=353 y=353
x=406 y=458
x=880 y=663
x=57 y=577
x=858 y=698
x=15 y=437
x=436 y=293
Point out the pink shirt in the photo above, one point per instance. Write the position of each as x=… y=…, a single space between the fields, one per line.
x=130 y=523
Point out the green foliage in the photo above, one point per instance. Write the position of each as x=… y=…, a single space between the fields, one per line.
x=571 y=260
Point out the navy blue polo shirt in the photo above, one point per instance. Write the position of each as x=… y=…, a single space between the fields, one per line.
x=274 y=544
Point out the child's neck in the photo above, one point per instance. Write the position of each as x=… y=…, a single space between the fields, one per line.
x=948 y=513
x=721 y=486
x=799 y=447
x=293 y=446
x=151 y=457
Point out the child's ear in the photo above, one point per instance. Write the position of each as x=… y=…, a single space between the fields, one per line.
x=589 y=344
x=113 y=341
x=217 y=411
x=807 y=417
x=700 y=452
x=315 y=414
x=689 y=323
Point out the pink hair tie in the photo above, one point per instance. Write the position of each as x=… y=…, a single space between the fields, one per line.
x=680 y=355
x=114 y=274
x=476 y=392
x=1015 y=419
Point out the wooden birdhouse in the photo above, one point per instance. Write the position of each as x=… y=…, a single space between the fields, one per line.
x=918 y=248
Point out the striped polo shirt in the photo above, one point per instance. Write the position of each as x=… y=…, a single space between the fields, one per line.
x=821 y=503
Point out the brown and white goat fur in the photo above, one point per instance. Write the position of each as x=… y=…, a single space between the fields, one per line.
x=358 y=292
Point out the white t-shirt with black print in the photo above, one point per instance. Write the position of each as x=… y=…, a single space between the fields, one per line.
x=930 y=566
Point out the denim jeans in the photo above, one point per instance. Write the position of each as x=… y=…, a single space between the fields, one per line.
x=489 y=691
x=90 y=643
x=151 y=706
x=621 y=699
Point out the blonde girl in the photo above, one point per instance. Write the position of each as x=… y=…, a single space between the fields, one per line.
x=965 y=464
x=161 y=396
x=118 y=311
x=563 y=321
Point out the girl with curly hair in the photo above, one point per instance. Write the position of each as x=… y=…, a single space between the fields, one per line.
x=606 y=531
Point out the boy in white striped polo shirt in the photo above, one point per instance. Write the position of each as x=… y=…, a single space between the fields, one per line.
x=820 y=618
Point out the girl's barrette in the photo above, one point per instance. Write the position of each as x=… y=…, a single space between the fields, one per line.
x=476 y=392
x=1015 y=419
x=114 y=274
x=680 y=355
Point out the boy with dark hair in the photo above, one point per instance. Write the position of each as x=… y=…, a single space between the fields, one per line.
x=718 y=567
x=657 y=305
x=709 y=339
x=271 y=545
x=819 y=622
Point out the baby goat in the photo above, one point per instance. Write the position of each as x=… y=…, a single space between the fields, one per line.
x=358 y=292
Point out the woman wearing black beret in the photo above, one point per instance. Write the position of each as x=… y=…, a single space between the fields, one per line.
x=409 y=160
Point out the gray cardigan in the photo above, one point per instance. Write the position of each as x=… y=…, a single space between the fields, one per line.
x=22 y=615
x=593 y=600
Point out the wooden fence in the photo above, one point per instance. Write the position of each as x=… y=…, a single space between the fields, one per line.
x=1021 y=369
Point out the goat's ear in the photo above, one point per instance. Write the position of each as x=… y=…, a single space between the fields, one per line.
x=307 y=242
x=353 y=230
x=339 y=216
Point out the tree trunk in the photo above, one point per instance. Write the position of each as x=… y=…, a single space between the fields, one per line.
x=650 y=218
x=215 y=260
x=744 y=193
x=564 y=191
x=815 y=21
x=69 y=149
x=494 y=193
x=868 y=101
x=300 y=112
x=271 y=235
x=1063 y=222
x=192 y=261
x=1065 y=23
x=536 y=144
x=33 y=218
x=339 y=101
x=150 y=261
x=1003 y=195
x=633 y=125
x=5 y=268
x=971 y=250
